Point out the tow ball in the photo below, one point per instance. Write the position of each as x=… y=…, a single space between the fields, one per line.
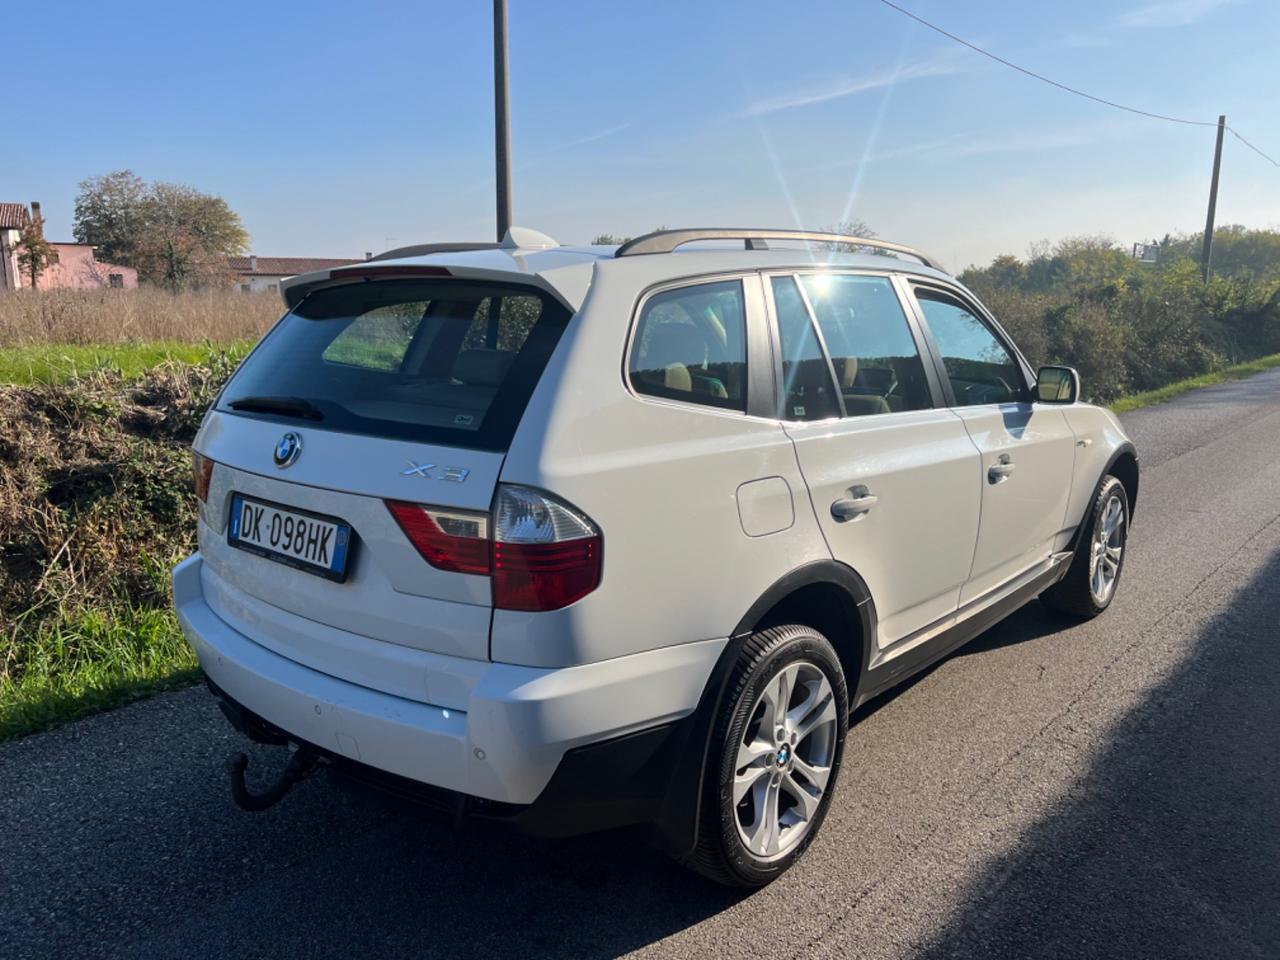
x=302 y=764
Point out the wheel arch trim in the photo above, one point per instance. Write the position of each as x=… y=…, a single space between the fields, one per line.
x=829 y=573
x=1125 y=449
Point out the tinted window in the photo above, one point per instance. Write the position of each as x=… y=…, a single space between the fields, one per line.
x=981 y=370
x=808 y=391
x=878 y=368
x=378 y=339
x=439 y=361
x=690 y=345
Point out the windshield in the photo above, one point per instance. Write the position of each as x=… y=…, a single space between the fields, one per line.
x=439 y=361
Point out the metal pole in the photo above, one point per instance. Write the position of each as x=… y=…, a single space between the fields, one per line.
x=502 y=129
x=1207 y=252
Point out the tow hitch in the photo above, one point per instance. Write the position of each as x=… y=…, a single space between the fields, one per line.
x=302 y=764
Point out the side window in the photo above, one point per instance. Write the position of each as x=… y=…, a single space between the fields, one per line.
x=980 y=369
x=690 y=345
x=377 y=340
x=878 y=368
x=808 y=391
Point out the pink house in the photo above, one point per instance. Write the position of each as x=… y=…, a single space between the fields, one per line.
x=75 y=267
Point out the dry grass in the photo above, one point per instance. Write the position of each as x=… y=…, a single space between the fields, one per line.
x=130 y=316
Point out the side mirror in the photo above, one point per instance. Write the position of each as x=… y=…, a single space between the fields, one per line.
x=1057 y=385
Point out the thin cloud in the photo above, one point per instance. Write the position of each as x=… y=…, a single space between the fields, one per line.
x=847 y=86
x=592 y=138
x=1030 y=141
x=960 y=145
x=1171 y=13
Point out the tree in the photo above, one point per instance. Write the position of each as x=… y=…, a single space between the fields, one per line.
x=109 y=215
x=187 y=238
x=175 y=235
x=609 y=240
x=35 y=253
x=850 y=228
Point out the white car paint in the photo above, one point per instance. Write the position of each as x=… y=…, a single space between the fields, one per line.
x=409 y=669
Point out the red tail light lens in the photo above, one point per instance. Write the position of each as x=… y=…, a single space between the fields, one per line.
x=544 y=576
x=546 y=554
x=447 y=539
x=540 y=553
x=201 y=474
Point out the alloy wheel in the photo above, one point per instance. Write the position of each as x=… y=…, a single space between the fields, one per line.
x=784 y=760
x=1106 y=550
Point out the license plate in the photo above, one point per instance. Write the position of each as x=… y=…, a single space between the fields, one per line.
x=308 y=541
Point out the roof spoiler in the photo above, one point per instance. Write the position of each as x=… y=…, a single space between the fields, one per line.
x=666 y=241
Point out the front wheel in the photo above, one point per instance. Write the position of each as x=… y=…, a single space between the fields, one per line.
x=774 y=756
x=1091 y=580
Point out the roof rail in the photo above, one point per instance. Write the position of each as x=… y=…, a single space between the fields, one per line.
x=422 y=249
x=665 y=241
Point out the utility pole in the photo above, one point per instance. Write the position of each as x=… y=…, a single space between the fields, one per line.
x=502 y=129
x=1206 y=252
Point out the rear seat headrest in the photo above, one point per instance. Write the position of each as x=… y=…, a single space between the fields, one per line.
x=483 y=367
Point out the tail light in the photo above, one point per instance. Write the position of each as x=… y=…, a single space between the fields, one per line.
x=447 y=539
x=546 y=554
x=201 y=473
x=539 y=552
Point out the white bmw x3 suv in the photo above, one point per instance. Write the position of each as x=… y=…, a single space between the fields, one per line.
x=581 y=537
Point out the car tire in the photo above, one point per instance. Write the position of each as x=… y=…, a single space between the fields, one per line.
x=1091 y=581
x=770 y=774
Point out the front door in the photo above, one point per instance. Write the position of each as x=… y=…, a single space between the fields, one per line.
x=892 y=474
x=1027 y=449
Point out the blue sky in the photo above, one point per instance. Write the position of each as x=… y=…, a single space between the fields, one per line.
x=336 y=128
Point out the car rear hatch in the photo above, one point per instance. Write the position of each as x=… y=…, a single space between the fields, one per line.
x=369 y=396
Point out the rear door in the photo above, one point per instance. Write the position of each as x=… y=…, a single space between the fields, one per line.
x=401 y=390
x=1027 y=449
x=891 y=472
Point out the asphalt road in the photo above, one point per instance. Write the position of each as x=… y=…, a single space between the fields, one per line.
x=1110 y=789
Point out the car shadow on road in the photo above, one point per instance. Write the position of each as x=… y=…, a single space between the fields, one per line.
x=401 y=884
x=1169 y=846
x=1029 y=623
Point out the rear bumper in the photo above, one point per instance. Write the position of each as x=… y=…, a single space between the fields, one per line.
x=519 y=725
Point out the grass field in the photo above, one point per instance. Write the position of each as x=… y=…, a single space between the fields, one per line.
x=61 y=362
x=83 y=661
x=143 y=316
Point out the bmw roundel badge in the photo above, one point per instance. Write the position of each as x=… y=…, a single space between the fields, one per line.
x=287 y=450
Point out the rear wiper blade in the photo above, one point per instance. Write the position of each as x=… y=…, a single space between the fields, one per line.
x=285 y=406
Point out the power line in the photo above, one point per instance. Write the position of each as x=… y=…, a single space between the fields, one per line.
x=1069 y=89
x=1270 y=160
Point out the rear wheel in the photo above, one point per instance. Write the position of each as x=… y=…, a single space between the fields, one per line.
x=774 y=758
x=1091 y=581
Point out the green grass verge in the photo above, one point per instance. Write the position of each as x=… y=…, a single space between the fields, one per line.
x=60 y=362
x=83 y=663
x=1171 y=390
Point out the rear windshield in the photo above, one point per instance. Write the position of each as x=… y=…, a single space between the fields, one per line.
x=437 y=361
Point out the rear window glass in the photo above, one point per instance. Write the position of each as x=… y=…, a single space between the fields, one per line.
x=435 y=361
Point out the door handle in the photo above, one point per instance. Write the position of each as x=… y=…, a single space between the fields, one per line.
x=999 y=471
x=851 y=508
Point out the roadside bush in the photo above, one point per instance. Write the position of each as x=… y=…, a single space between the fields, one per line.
x=1129 y=326
x=95 y=507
